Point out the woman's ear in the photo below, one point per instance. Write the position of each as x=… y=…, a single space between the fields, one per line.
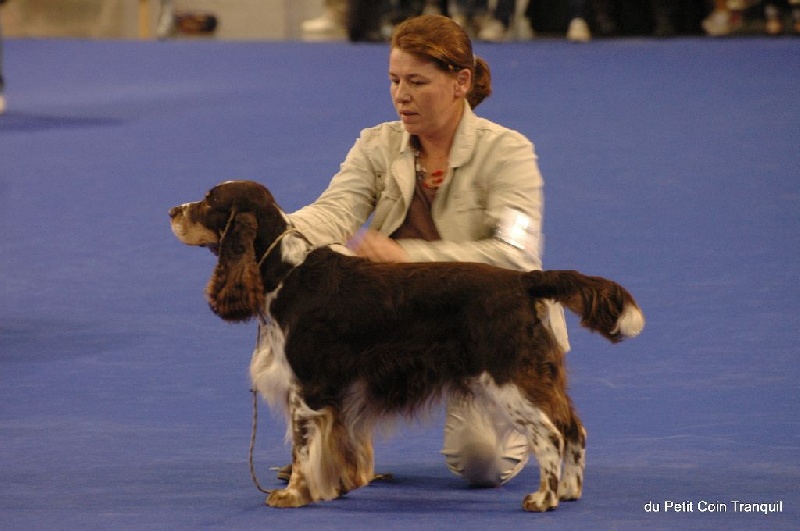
x=463 y=82
x=235 y=291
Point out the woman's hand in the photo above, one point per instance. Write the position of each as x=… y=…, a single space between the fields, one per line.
x=377 y=247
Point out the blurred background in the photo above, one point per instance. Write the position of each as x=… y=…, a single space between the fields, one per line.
x=371 y=20
x=670 y=153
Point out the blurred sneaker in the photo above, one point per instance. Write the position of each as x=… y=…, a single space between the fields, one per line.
x=321 y=24
x=774 y=22
x=196 y=23
x=521 y=29
x=324 y=27
x=578 y=31
x=492 y=30
x=325 y=24
x=166 y=23
x=718 y=23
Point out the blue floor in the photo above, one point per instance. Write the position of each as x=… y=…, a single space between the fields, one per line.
x=670 y=166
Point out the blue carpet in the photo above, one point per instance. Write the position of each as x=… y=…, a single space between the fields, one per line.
x=670 y=166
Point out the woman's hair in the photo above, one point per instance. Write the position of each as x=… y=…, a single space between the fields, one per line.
x=439 y=39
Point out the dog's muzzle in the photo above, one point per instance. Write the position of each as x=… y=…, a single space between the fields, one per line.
x=175 y=211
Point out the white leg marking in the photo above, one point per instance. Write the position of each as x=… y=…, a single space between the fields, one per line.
x=571 y=485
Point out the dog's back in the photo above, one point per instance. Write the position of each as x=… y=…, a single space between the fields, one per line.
x=407 y=330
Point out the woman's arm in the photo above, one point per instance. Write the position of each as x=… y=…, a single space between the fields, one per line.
x=345 y=205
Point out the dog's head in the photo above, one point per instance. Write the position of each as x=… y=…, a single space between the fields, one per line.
x=204 y=222
x=237 y=220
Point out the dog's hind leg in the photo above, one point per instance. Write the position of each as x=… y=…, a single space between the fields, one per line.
x=571 y=485
x=357 y=425
x=544 y=440
x=360 y=465
x=548 y=447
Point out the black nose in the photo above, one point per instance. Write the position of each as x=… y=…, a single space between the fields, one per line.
x=174 y=211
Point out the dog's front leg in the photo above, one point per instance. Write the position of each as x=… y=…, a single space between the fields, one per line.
x=316 y=456
x=297 y=493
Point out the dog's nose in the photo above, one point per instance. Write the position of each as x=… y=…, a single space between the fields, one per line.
x=174 y=211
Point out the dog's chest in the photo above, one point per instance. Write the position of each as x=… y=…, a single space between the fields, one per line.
x=270 y=372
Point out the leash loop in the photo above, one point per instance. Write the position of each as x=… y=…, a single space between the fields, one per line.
x=276 y=242
x=253 y=445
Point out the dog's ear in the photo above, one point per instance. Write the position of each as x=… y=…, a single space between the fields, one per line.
x=235 y=291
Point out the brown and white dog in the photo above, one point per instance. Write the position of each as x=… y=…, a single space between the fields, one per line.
x=345 y=342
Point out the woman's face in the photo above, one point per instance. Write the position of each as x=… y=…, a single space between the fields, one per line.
x=428 y=100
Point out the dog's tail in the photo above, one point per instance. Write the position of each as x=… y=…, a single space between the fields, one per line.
x=603 y=305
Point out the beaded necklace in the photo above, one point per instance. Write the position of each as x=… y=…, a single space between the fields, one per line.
x=430 y=181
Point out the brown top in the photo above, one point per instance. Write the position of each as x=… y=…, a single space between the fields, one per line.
x=419 y=220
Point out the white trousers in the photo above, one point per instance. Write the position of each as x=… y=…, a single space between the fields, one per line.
x=481 y=444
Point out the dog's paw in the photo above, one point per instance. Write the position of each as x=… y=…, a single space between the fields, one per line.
x=569 y=489
x=540 y=501
x=287 y=498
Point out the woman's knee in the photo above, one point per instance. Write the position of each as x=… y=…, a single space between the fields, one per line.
x=480 y=445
